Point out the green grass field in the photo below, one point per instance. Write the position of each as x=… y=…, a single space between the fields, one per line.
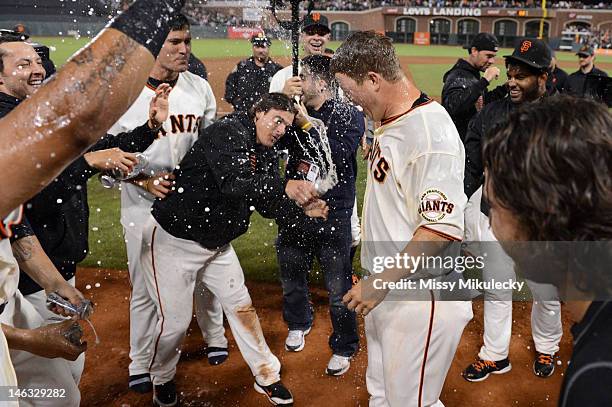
x=256 y=248
x=220 y=48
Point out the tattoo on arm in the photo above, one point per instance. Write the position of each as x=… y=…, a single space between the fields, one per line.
x=110 y=65
x=23 y=249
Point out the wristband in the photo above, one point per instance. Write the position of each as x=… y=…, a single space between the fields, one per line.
x=307 y=126
x=147 y=22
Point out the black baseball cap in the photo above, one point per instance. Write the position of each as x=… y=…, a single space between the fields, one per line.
x=484 y=42
x=12 y=35
x=316 y=20
x=261 y=39
x=532 y=52
x=586 y=51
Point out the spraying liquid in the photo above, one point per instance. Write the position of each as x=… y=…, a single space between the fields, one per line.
x=329 y=177
x=94 y=331
x=82 y=311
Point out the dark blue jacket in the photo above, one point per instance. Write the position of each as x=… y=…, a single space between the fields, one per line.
x=345 y=127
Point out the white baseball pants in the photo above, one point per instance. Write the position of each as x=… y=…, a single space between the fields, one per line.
x=173 y=268
x=143 y=315
x=411 y=345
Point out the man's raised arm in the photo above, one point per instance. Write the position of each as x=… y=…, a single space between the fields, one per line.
x=76 y=107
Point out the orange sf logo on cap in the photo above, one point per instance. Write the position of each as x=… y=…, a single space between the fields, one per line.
x=525 y=46
x=316 y=17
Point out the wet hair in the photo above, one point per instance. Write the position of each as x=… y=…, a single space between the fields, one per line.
x=318 y=66
x=277 y=101
x=367 y=51
x=559 y=151
x=179 y=23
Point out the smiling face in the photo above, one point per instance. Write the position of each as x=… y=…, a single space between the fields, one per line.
x=525 y=85
x=271 y=126
x=315 y=39
x=174 y=55
x=22 y=71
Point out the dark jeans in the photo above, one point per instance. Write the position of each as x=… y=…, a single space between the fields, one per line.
x=330 y=243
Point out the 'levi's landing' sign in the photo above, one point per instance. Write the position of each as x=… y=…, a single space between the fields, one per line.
x=446 y=11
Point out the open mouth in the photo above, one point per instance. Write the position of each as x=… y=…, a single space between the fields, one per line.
x=514 y=93
x=316 y=44
x=35 y=83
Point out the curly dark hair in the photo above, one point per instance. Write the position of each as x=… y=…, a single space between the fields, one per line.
x=278 y=101
x=551 y=165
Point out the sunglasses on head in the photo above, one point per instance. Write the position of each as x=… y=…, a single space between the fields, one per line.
x=316 y=30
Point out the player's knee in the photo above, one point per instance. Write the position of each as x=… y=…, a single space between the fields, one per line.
x=177 y=324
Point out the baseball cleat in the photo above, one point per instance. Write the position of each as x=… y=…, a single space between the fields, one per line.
x=276 y=393
x=481 y=369
x=295 y=340
x=338 y=365
x=165 y=395
x=544 y=364
x=140 y=383
x=216 y=356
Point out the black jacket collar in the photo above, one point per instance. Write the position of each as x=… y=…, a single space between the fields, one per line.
x=463 y=65
x=7 y=103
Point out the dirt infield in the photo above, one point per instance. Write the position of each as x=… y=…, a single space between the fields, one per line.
x=104 y=381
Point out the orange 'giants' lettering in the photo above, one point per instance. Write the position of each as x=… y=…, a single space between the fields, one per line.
x=380 y=172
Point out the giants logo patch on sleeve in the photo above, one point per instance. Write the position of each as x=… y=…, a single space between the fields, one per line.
x=434 y=205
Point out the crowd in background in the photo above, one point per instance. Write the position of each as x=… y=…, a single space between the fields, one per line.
x=598 y=39
x=354 y=5
x=200 y=15
x=594 y=37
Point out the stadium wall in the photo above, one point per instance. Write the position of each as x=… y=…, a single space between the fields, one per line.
x=453 y=25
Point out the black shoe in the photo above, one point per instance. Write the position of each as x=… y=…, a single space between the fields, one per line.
x=216 y=356
x=544 y=364
x=481 y=369
x=140 y=383
x=276 y=393
x=165 y=395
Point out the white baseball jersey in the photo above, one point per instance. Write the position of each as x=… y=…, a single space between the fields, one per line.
x=191 y=101
x=9 y=270
x=278 y=80
x=415 y=179
x=9 y=279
